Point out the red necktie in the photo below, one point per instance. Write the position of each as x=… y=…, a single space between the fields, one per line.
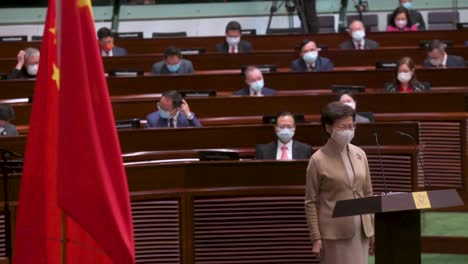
x=359 y=46
x=284 y=152
x=233 y=49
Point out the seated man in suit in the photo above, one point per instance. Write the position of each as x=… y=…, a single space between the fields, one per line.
x=6 y=115
x=173 y=111
x=173 y=63
x=27 y=65
x=358 y=41
x=437 y=57
x=254 y=79
x=233 y=43
x=106 y=44
x=415 y=16
x=285 y=148
x=310 y=59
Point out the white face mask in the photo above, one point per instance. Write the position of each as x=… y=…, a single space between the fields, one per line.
x=401 y=23
x=285 y=134
x=351 y=104
x=342 y=137
x=310 y=57
x=257 y=86
x=404 y=77
x=32 y=69
x=358 y=35
x=232 y=41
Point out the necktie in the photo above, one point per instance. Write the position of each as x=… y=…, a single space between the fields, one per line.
x=284 y=152
x=232 y=49
x=359 y=46
x=171 y=122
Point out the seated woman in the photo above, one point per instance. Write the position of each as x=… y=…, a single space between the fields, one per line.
x=347 y=98
x=401 y=21
x=405 y=78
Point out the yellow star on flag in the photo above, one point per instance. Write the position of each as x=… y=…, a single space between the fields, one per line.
x=84 y=3
x=53 y=31
x=56 y=75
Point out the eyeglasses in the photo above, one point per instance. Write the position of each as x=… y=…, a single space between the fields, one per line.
x=345 y=127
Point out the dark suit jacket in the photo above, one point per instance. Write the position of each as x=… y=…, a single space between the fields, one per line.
x=186 y=67
x=268 y=151
x=417 y=87
x=246 y=91
x=242 y=47
x=118 y=51
x=20 y=74
x=368 y=44
x=9 y=130
x=452 y=61
x=155 y=120
x=416 y=17
x=322 y=64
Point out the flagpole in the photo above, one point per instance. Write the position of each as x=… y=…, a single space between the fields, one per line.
x=63 y=248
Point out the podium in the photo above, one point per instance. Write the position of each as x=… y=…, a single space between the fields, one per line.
x=398 y=221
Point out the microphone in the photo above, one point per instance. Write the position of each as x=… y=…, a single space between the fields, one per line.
x=418 y=157
x=376 y=135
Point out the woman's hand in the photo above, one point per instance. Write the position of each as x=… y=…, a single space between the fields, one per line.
x=371 y=245
x=317 y=249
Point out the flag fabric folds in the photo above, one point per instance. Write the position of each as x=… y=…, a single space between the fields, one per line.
x=73 y=164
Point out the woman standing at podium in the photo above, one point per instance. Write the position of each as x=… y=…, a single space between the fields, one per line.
x=338 y=171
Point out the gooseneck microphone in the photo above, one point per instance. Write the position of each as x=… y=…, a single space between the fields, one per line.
x=376 y=135
x=426 y=177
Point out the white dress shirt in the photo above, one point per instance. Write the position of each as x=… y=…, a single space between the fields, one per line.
x=107 y=54
x=175 y=119
x=253 y=93
x=236 y=49
x=279 y=150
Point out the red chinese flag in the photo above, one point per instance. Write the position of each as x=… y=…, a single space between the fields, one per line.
x=38 y=230
x=92 y=185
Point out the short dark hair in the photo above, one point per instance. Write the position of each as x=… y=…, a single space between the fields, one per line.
x=302 y=44
x=6 y=112
x=437 y=44
x=104 y=33
x=172 y=51
x=233 y=25
x=283 y=114
x=334 y=111
x=397 y=11
x=175 y=96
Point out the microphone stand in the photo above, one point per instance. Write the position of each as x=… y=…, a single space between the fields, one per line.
x=380 y=161
x=7 y=155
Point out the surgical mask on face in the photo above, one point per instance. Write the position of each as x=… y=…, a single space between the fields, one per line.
x=173 y=68
x=164 y=114
x=32 y=69
x=257 y=86
x=404 y=77
x=358 y=35
x=232 y=41
x=310 y=57
x=285 y=134
x=407 y=5
x=401 y=23
x=351 y=104
x=435 y=62
x=342 y=137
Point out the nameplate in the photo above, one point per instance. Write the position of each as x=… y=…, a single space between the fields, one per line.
x=421 y=200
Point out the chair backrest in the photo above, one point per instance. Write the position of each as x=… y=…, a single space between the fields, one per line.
x=284 y=31
x=129 y=35
x=13 y=38
x=36 y=38
x=327 y=24
x=180 y=34
x=371 y=22
x=443 y=20
x=249 y=32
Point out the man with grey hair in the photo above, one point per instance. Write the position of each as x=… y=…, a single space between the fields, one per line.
x=358 y=41
x=437 y=57
x=254 y=79
x=27 y=66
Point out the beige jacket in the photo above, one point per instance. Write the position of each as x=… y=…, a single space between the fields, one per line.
x=326 y=183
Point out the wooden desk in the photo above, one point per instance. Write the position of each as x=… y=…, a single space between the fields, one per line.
x=374 y=80
x=233 y=106
x=145 y=46
x=282 y=59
